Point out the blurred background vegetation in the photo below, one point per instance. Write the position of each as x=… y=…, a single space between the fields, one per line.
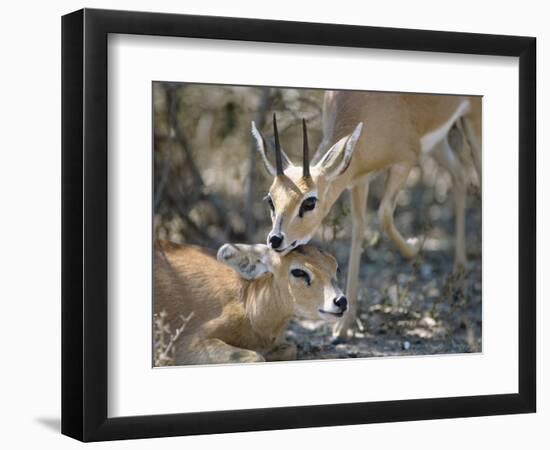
x=209 y=180
x=209 y=185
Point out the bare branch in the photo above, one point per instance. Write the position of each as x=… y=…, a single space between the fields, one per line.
x=176 y=336
x=250 y=190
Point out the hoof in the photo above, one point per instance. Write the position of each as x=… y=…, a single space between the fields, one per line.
x=459 y=267
x=338 y=340
x=414 y=245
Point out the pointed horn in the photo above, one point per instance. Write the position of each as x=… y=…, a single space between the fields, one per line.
x=278 y=157
x=306 y=151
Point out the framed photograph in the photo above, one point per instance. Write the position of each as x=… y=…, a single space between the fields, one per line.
x=274 y=225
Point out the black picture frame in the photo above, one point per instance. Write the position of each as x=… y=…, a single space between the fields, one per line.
x=84 y=224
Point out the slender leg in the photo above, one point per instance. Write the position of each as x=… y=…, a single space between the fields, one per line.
x=216 y=351
x=460 y=219
x=474 y=144
x=445 y=156
x=359 y=196
x=397 y=177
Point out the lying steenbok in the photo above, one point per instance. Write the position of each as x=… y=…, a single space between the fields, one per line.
x=242 y=302
x=372 y=132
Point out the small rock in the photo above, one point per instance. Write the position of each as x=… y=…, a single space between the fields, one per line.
x=402 y=278
x=406 y=345
x=426 y=271
x=393 y=294
x=428 y=322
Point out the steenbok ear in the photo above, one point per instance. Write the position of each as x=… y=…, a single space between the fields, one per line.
x=250 y=261
x=268 y=152
x=338 y=157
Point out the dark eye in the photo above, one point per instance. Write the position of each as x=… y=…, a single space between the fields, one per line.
x=270 y=203
x=307 y=205
x=299 y=273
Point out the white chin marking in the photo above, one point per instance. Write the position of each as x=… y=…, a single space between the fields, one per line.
x=329 y=316
x=292 y=246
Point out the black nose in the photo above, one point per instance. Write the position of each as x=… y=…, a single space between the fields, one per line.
x=275 y=241
x=341 y=302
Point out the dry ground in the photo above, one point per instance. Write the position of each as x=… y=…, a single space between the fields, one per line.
x=408 y=308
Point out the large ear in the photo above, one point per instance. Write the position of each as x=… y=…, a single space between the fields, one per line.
x=268 y=152
x=337 y=159
x=250 y=261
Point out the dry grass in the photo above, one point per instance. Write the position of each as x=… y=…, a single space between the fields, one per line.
x=165 y=340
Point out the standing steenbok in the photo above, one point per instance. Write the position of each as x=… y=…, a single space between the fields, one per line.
x=239 y=313
x=372 y=132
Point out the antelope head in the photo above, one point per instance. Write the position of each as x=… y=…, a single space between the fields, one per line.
x=304 y=280
x=299 y=197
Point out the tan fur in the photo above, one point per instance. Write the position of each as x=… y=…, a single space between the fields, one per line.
x=236 y=320
x=394 y=128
